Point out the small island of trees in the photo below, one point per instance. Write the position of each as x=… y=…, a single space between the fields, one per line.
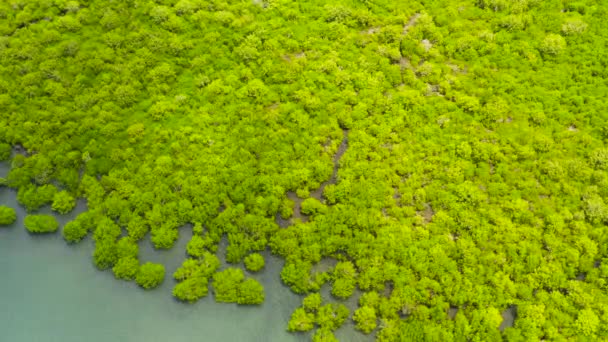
x=7 y=215
x=41 y=223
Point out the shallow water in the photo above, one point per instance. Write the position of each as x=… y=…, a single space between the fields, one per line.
x=50 y=291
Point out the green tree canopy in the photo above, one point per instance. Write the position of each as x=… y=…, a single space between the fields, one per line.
x=74 y=231
x=150 y=275
x=5 y=151
x=191 y=289
x=254 y=262
x=41 y=223
x=7 y=215
x=126 y=268
x=301 y=320
x=250 y=291
x=365 y=317
x=226 y=284
x=63 y=202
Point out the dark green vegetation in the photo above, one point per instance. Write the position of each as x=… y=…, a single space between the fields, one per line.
x=41 y=223
x=469 y=138
x=7 y=215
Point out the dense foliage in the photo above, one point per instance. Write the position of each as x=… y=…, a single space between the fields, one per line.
x=231 y=286
x=63 y=202
x=446 y=160
x=193 y=277
x=254 y=262
x=5 y=151
x=328 y=317
x=73 y=231
x=76 y=230
x=7 y=215
x=41 y=223
x=149 y=275
x=127 y=268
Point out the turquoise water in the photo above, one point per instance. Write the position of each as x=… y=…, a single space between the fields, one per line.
x=50 y=291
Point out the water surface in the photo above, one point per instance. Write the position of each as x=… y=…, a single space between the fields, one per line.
x=50 y=291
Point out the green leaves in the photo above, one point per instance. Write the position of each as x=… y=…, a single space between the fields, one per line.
x=365 y=317
x=40 y=223
x=297 y=276
x=344 y=282
x=328 y=317
x=204 y=266
x=599 y=158
x=68 y=23
x=105 y=254
x=312 y=206
x=301 y=320
x=553 y=44
x=164 y=237
x=250 y=291
x=474 y=177
x=137 y=228
x=33 y=197
x=312 y=302
x=230 y=286
x=331 y=316
x=126 y=268
x=74 y=231
x=254 y=262
x=150 y=275
x=7 y=215
x=5 y=151
x=191 y=289
x=194 y=276
x=63 y=202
